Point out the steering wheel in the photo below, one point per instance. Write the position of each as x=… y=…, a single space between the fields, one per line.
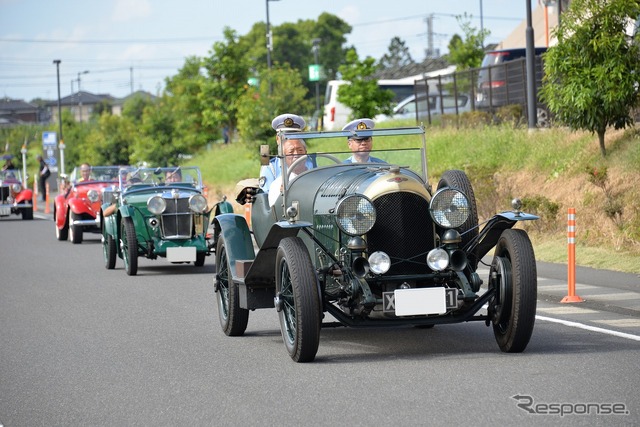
x=304 y=158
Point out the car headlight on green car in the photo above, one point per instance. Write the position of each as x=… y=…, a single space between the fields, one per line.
x=198 y=203
x=156 y=205
x=355 y=215
x=449 y=208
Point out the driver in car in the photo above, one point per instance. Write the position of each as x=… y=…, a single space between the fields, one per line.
x=293 y=149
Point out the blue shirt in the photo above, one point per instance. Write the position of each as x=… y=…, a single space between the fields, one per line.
x=273 y=170
x=370 y=160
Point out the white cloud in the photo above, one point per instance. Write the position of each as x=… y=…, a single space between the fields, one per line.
x=127 y=10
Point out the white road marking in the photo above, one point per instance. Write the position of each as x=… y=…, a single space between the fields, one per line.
x=567 y=309
x=590 y=328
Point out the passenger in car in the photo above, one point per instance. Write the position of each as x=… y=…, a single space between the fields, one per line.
x=284 y=122
x=293 y=149
x=174 y=175
x=85 y=172
x=360 y=146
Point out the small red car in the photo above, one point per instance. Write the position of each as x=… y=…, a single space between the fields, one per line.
x=15 y=198
x=77 y=208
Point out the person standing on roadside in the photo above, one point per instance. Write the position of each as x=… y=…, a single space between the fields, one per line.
x=42 y=177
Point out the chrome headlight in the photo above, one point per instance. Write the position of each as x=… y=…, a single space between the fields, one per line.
x=355 y=215
x=438 y=259
x=156 y=205
x=379 y=262
x=93 y=196
x=198 y=203
x=16 y=187
x=449 y=208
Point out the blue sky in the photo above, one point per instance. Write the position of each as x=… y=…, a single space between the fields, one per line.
x=120 y=42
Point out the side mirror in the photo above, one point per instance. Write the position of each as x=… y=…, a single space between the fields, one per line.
x=264 y=155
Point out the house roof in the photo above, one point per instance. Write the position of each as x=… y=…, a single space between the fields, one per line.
x=16 y=106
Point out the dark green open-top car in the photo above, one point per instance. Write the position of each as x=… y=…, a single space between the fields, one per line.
x=155 y=212
x=373 y=244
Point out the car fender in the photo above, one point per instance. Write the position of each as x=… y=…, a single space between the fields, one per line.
x=24 y=196
x=490 y=234
x=79 y=206
x=234 y=230
x=223 y=207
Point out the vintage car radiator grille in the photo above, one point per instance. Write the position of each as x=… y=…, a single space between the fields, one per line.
x=177 y=219
x=404 y=230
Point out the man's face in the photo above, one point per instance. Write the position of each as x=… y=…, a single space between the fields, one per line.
x=85 y=172
x=360 y=145
x=173 y=177
x=293 y=150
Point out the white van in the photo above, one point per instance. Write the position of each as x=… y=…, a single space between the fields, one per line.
x=336 y=114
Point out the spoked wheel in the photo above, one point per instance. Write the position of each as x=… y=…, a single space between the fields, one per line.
x=233 y=319
x=61 y=233
x=109 y=251
x=513 y=276
x=75 y=231
x=297 y=300
x=469 y=230
x=129 y=246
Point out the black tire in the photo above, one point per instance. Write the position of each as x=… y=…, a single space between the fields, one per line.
x=200 y=256
x=109 y=251
x=233 y=319
x=27 y=213
x=75 y=231
x=297 y=300
x=61 y=233
x=459 y=180
x=129 y=245
x=513 y=276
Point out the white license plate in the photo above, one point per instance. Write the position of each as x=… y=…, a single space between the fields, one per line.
x=411 y=302
x=181 y=254
x=5 y=211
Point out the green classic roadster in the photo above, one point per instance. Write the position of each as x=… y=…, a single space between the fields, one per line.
x=156 y=212
x=372 y=244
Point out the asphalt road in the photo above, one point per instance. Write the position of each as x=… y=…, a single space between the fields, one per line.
x=84 y=346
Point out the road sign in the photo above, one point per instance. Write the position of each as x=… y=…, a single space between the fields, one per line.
x=314 y=72
x=51 y=161
x=49 y=139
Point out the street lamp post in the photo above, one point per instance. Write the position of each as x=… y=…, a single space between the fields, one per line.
x=316 y=48
x=80 y=96
x=61 y=139
x=269 y=36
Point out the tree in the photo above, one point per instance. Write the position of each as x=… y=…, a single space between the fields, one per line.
x=591 y=77
x=467 y=52
x=109 y=142
x=228 y=70
x=398 y=55
x=362 y=94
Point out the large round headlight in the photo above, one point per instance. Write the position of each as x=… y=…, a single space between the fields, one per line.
x=449 y=208
x=437 y=259
x=156 y=205
x=355 y=215
x=379 y=262
x=93 y=196
x=198 y=203
x=16 y=187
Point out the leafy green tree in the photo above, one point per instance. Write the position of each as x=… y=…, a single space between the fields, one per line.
x=362 y=94
x=591 y=79
x=228 y=70
x=109 y=142
x=257 y=108
x=102 y=107
x=398 y=55
x=467 y=52
x=156 y=142
x=134 y=107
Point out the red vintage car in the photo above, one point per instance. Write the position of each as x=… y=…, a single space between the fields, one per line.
x=77 y=208
x=15 y=198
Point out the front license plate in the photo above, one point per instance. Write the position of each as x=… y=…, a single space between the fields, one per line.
x=181 y=254
x=411 y=302
x=5 y=211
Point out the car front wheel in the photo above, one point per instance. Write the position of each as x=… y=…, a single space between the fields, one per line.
x=513 y=277
x=109 y=251
x=233 y=319
x=61 y=233
x=129 y=246
x=297 y=300
x=75 y=231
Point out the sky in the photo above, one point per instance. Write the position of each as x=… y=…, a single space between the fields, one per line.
x=116 y=46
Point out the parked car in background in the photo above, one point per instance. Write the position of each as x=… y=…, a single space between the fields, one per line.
x=502 y=80
x=428 y=107
x=336 y=114
x=76 y=209
x=372 y=244
x=156 y=212
x=15 y=198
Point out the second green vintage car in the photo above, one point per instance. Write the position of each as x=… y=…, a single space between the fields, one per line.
x=155 y=212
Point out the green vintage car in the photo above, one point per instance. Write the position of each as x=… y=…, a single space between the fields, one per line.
x=372 y=244
x=156 y=212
